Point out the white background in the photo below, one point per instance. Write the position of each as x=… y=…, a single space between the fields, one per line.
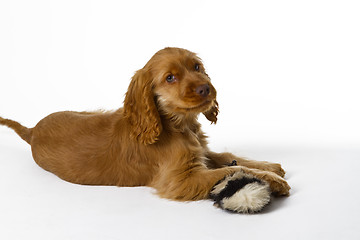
x=287 y=75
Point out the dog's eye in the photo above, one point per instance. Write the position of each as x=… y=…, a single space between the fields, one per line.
x=170 y=78
x=197 y=67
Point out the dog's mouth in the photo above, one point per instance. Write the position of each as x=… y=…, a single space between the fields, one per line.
x=198 y=108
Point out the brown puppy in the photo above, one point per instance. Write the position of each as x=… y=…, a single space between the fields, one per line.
x=155 y=140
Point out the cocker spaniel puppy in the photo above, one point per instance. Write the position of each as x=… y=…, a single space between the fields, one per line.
x=154 y=140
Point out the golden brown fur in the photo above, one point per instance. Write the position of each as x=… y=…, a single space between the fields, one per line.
x=155 y=140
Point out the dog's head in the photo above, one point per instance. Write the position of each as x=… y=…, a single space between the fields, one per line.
x=173 y=82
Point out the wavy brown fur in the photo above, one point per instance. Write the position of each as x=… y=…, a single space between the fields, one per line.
x=155 y=140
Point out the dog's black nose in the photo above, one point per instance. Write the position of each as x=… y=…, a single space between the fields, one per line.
x=203 y=90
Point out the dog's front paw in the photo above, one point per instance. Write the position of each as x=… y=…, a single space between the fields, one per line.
x=241 y=193
x=275 y=168
x=278 y=185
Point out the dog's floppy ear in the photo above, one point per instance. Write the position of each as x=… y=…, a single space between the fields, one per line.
x=140 y=109
x=212 y=113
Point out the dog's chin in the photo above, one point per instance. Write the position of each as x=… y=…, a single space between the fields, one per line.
x=199 y=108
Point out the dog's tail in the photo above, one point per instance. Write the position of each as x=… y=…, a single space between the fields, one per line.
x=24 y=132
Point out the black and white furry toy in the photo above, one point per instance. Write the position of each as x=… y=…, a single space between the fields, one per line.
x=241 y=193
